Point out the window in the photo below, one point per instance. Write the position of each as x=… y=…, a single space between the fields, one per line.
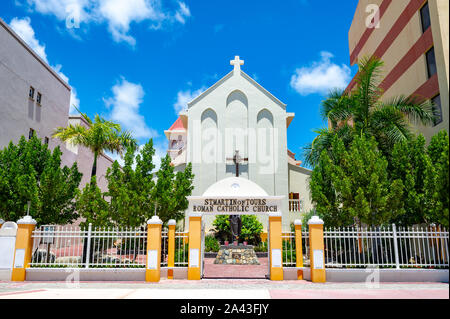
x=425 y=17
x=437 y=109
x=39 y=98
x=30 y=133
x=46 y=140
x=31 y=93
x=431 y=62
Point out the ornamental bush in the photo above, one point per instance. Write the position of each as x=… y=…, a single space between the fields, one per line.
x=251 y=229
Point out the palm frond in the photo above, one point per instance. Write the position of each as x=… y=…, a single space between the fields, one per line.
x=416 y=109
x=337 y=107
x=368 y=80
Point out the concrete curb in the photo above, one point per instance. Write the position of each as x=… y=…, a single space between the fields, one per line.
x=180 y=273
x=97 y=274
x=381 y=275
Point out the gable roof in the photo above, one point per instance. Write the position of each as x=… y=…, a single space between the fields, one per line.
x=177 y=125
x=245 y=76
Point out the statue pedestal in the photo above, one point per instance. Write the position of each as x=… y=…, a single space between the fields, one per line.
x=236 y=255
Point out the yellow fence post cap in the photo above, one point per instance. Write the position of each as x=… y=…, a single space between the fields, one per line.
x=154 y=221
x=26 y=220
x=172 y=222
x=315 y=220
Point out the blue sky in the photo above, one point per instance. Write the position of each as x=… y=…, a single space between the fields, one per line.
x=139 y=61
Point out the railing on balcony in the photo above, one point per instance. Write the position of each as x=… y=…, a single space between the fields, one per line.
x=296 y=205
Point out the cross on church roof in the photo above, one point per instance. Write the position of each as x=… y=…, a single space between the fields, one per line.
x=237 y=62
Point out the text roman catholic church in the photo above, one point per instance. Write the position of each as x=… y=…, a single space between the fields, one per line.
x=238 y=127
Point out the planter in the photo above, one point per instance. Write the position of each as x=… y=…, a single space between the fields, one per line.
x=227 y=243
x=245 y=243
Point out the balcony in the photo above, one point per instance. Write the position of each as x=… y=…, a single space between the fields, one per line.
x=296 y=206
x=178 y=155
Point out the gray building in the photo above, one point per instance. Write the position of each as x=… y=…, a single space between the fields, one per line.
x=35 y=99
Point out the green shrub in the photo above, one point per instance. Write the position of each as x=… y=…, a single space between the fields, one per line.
x=211 y=244
x=251 y=229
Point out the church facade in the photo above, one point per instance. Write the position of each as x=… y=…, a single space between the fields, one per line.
x=238 y=128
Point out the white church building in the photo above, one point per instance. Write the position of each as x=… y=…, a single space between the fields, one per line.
x=238 y=128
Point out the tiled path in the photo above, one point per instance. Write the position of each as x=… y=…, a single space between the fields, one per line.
x=236 y=271
x=220 y=289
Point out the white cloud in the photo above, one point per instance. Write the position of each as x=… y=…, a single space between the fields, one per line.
x=74 y=101
x=120 y=14
x=117 y=14
x=24 y=29
x=62 y=8
x=321 y=77
x=125 y=109
x=184 y=97
x=182 y=13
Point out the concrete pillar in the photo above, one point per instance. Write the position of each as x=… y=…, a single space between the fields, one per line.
x=276 y=247
x=153 y=269
x=171 y=248
x=195 y=242
x=298 y=248
x=316 y=245
x=23 y=248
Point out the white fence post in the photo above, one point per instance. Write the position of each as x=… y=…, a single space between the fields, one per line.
x=394 y=232
x=88 y=250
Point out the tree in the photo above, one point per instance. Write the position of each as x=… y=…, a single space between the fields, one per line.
x=438 y=150
x=364 y=111
x=353 y=185
x=129 y=188
x=100 y=136
x=411 y=164
x=29 y=171
x=93 y=207
x=251 y=229
x=170 y=192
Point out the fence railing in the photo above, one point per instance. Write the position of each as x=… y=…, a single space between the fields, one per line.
x=181 y=249
x=71 y=246
x=164 y=247
x=289 y=253
x=387 y=247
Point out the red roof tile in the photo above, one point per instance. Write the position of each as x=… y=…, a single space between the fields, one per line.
x=178 y=125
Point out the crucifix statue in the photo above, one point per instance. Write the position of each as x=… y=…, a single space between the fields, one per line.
x=237 y=159
x=235 y=220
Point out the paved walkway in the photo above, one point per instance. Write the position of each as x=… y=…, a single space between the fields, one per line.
x=220 y=289
x=236 y=271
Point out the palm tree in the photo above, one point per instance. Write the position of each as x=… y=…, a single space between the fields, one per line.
x=363 y=112
x=100 y=136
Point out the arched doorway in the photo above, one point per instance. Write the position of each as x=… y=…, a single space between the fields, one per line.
x=234 y=196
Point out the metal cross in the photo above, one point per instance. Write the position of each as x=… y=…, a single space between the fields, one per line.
x=237 y=160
